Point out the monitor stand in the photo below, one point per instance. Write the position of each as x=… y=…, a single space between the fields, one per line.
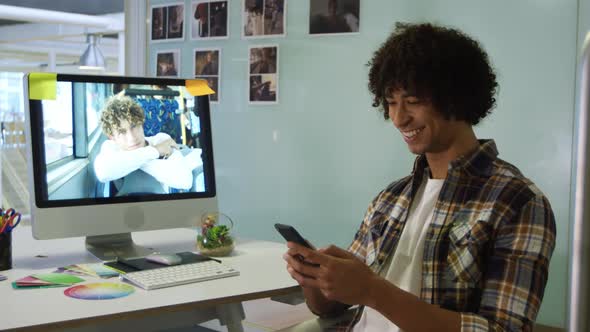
x=113 y=246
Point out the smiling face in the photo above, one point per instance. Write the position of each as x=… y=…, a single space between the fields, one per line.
x=129 y=137
x=423 y=128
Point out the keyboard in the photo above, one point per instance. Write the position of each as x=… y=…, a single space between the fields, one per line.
x=179 y=274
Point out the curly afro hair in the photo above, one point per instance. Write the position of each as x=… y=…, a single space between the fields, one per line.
x=119 y=109
x=436 y=63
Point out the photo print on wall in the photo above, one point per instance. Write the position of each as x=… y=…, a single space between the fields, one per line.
x=168 y=63
x=206 y=66
x=209 y=19
x=334 y=17
x=264 y=18
x=263 y=70
x=167 y=22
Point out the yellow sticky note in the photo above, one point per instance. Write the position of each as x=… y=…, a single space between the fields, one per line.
x=198 y=87
x=42 y=86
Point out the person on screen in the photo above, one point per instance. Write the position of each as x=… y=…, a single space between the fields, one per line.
x=139 y=164
x=463 y=243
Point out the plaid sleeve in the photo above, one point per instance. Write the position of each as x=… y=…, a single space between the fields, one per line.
x=358 y=247
x=517 y=271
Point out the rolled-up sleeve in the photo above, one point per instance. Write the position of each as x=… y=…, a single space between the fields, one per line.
x=517 y=271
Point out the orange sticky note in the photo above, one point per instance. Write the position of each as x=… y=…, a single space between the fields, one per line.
x=198 y=87
x=42 y=86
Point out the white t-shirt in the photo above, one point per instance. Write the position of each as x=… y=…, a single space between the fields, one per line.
x=113 y=163
x=405 y=268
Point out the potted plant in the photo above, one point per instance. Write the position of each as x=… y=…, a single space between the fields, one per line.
x=214 y=238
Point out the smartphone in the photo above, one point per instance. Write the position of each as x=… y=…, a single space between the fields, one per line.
x=291 y=234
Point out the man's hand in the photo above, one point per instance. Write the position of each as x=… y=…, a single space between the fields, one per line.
x=340 y=276
x=165 y=147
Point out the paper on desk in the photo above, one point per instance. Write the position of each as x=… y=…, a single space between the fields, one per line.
x=94 y=270
x=72 y=269
x=84 y=268
x=30 y=281
x=58 y=278
x=16 y=286
x=102 y=270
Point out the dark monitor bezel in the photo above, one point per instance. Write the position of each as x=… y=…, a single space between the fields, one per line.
x=38 y=146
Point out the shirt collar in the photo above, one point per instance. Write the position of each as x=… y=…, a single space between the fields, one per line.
x=479 y=162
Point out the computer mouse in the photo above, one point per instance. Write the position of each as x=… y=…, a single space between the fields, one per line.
x=164 y=259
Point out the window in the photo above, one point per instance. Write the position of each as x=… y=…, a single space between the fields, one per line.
x=58 y=122
x=12 y=109
x=96 y=95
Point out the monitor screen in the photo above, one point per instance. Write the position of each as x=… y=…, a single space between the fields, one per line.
x=112 y=155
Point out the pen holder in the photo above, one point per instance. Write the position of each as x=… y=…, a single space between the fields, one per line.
x=215 y=238
x=5 y=251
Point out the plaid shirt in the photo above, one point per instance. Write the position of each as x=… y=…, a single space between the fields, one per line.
x=487 y=250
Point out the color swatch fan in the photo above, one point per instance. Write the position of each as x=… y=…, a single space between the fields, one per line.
x=99 y=291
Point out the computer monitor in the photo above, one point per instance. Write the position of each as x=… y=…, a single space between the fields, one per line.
x=113 y=155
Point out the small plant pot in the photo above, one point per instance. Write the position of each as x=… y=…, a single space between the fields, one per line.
x=215 y=238
x=215 y=251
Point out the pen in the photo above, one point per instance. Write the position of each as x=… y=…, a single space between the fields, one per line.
x=214 y=259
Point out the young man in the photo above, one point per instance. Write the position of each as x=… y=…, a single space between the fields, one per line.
x=136 y=163
x=461 y=244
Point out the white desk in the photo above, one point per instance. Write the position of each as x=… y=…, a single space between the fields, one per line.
x=262 y=274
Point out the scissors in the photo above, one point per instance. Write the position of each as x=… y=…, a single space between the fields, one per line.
x=8 y=224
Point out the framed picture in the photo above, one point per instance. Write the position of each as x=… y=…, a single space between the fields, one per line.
x=328 y=17
x=264 y=18
x=207 y=66
x=209 y=19
x=168 y=63
x=263 y=74
x=167 y=23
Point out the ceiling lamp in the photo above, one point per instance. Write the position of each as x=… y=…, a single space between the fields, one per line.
x=92 y=57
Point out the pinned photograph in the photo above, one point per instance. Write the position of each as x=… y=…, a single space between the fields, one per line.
x=263 y=60
x=263 y=89
x=207 y=66
x=264 y=18
x=213 y=82
x=263 y=70
x=167 y=63
x=175 y=22
x=167 y=22
x=159 y=22
x=334 y=17
x=207 y=62
x=210 y=19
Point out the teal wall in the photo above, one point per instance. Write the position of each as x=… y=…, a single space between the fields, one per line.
x=317 y=158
